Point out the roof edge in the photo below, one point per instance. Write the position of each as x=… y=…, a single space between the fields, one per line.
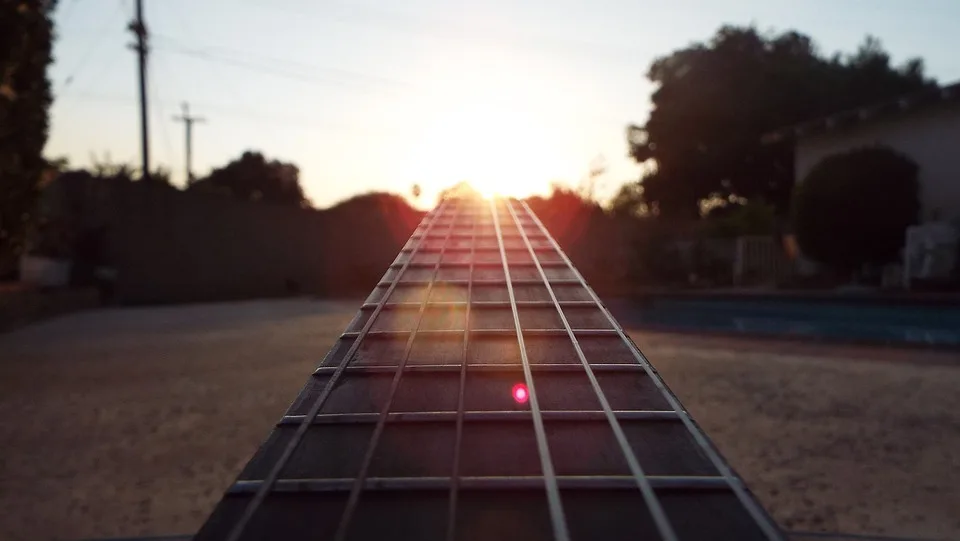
x=911 y=102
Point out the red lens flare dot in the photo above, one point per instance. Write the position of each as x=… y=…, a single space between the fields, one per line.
x=520 y=393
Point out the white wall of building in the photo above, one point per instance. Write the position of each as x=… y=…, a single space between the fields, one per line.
x=930 y=136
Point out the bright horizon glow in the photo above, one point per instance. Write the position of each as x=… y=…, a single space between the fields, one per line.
x=498 y=151
x=361 y=96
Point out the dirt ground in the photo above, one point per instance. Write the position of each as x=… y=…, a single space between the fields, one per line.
x=132 y=422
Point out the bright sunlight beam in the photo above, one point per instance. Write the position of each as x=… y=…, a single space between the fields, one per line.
x=496 y=150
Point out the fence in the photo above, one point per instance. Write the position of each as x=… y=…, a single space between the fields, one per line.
x=170 y=246
x=760 y=260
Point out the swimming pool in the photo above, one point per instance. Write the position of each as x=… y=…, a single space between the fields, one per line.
x=842 y=320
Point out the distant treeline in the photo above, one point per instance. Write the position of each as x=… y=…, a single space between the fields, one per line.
x=167 y=245
x=170 y=245
x=247 y=228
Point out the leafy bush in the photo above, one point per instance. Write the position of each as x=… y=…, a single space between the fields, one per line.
x=26 y=36
x=252 y=177
x=738 y=219
x=853 y=208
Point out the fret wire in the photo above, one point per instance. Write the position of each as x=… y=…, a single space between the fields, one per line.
x=557 y=517
x=760 y=516
x=650 y=497
x=458 y=435
x=354 y=498
x=238 y=528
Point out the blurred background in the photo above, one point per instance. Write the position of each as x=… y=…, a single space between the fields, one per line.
x=766 y=193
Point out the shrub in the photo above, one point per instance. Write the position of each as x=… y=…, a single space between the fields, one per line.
x=26 y=36
x=739 y=219
x=853 y=208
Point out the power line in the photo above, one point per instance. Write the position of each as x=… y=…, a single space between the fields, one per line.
x=94 y=45
x=184 y=23
x=239 y=114
x=457 y=31
x=67 y=11
x=161 y=71
x=260 y=117
x=203 y=55
x=158 y=113
x=298 y=71
x=95 y=96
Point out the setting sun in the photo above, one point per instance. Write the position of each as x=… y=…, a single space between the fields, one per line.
x=497 y=150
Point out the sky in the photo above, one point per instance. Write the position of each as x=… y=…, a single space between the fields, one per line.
x=371 y=95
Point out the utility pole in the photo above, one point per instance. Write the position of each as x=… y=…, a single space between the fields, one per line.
x=188 y=123
x=139 y=29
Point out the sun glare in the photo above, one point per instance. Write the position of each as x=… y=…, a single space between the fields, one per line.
x=520 y=393
x=500 y=152
x=492 y=187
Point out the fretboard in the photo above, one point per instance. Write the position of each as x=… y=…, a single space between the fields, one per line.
x=483 y=391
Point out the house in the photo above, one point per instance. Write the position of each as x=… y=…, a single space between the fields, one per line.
x=924 y=126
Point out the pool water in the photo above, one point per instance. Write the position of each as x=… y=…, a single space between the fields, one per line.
x=830 y=320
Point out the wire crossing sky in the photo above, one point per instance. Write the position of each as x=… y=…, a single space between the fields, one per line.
x=369 y=96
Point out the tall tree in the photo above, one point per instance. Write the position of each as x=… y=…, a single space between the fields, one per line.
x=254 y=178
x=715 y=100
x=26 y=36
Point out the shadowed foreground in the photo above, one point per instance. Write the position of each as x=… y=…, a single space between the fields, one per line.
x=114 y=422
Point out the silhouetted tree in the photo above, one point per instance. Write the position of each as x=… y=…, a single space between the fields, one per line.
x=254 y=178
x=715 y=100
x=598 y=243
x=366 y=233
x=735 y=219
x=26 y=36
x=105 y=168
x=598 y=168
x=73 y=204
x=854 y=208
x=629 y=201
